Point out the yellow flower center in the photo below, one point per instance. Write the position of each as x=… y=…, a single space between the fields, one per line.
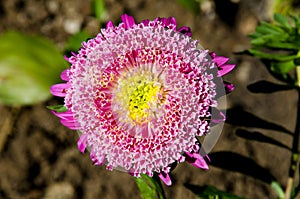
x=141 y=100
x=138 y=96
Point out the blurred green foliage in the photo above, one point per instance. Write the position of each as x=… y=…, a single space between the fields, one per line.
x=285 y=7
x=98 y=7
x=191 y=5
x=74 y=41
x=29 y=65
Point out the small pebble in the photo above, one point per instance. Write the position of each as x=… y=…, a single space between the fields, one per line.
x=60 y=190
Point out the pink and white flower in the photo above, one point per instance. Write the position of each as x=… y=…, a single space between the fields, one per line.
x=140 y=94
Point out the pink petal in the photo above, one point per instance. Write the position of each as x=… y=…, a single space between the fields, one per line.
x=127 y=20
x=109 y=24
x=218 y=117
x=71 y=124
x=59 y=89
x=82 y=142
x=64 y=75
x=212 y=54
x=96 y=160
x=165 y=177
x=167 y=21
x=145 y=22
x=68 y=115
x=219 y=60
x=185 y=30
x=228 y=87
x=196 y=160
x=224 y=69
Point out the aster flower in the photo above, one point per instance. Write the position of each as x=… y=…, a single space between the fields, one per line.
x=140 y=94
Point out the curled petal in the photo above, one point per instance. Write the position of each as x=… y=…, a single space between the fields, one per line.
x=185 y=30
x=82 y=143
x=165 y=177
x=196 y=160
x=59 y=90
x=128 y=21
x=228 y=87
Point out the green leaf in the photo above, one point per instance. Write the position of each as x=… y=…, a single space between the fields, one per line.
x=277 y=57
x=58 y=108
x=208 y=192
x=266 y=28
x=99 y=9
x=191 y=5
x=282 y=67
x=282 y=20
x=150 y=188
x=278 y=189
x=29 y=65
x=74 y=41
x=283 y=45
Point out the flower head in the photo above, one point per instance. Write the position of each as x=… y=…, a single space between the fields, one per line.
x=140 y=94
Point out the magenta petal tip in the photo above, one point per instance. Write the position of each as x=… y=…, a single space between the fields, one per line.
x=128 y=21
x=81 y=143
x=59 y=90
x=165 y=177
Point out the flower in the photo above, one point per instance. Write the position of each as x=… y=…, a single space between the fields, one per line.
x=140 y=94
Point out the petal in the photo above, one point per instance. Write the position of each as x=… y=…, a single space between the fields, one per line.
x=59 y=89
x=224 y=69
x=219 y=60
x=82 y=142
x=165 y=177
x=228 y=87
x=212 y=54
x=171 y=21
x=68 y=115
x=218 y=117
x=196 y=160
x=128 y=21
x=71 y=124
x=64 y=75
x=109 y=24
x=145 y=22
x=97 y=161
x=185 y=30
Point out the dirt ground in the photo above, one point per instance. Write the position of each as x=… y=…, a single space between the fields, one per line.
x=40 y=159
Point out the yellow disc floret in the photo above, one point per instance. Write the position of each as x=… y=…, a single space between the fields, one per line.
x=137 y=96
x=140 y=101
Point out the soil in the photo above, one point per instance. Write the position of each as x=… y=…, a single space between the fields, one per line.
x=39 y=157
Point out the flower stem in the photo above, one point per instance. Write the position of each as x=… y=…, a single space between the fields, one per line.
x=295 y=147
x=298 y=75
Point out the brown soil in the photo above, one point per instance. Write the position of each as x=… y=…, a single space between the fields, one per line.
x=39 y=158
